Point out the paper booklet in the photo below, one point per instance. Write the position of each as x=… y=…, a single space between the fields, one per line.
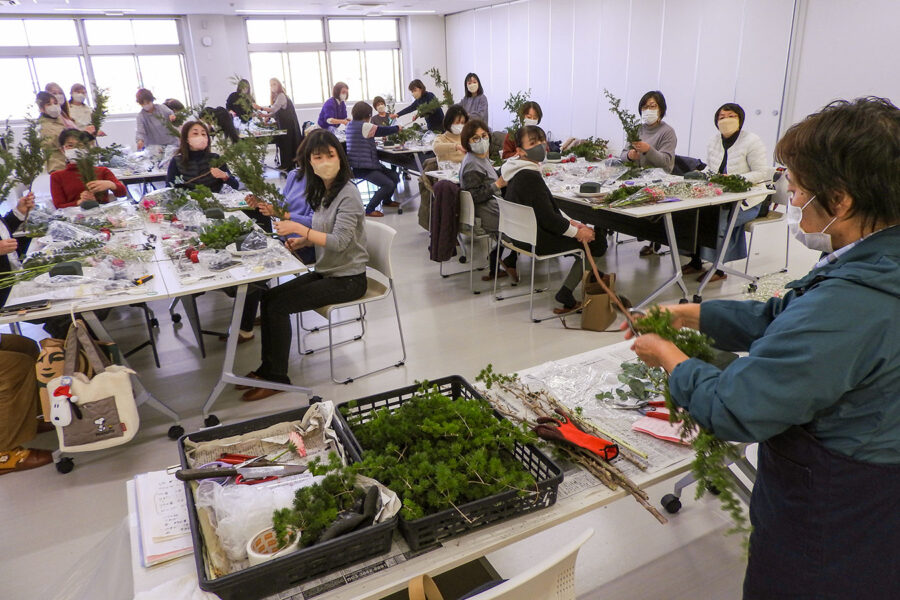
x=165 y=532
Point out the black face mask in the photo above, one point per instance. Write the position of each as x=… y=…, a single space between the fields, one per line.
x=537 y=153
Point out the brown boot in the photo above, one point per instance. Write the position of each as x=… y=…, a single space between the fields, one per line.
x=22 y=459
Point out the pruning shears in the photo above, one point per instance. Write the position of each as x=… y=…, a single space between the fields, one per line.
x=642 y=408
x=565 y=430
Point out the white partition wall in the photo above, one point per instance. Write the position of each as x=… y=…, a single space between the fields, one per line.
x=700 y=53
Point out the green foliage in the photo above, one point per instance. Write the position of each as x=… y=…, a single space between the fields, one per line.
x=317 y=506
x=730 y=183
x=436 y=452
x=621 y=193
x=634 y=171
x=85 y=164
x=178 y=197
x=218 y=234
x=107 y=154
x=640 y=383
x=591 y=149
x=712 y=455
x=514 y=104
x=631 y=124
x=246 y=160
x=245 y=101
x=429 y=107
x=406 y=134
x=101 y=108
x=7 y=163
x=447 y=99
x=32 y=154
x=42 y=262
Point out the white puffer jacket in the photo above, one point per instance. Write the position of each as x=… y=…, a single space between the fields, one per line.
x=747 y=157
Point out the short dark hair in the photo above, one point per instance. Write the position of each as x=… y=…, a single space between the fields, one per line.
x=735 y=108
x=361 y=110
x=480 y=89
x=43 y=99
x=660 y=100
x=848 y=148
x=174 y=104
x=531 y=132
x=378 y=100
x=469 y=129
x=144 y=95
x=452 y=113
x=531 y=105
x=316 y=142
x=416 y=84
x=336 y=90
x=82 y=136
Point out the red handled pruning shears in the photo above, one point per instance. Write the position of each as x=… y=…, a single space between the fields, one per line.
x=563 y=429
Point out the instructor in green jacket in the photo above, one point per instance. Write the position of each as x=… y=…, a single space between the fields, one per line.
x=820 y=387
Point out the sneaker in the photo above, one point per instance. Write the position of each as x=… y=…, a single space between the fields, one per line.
x=375 y=213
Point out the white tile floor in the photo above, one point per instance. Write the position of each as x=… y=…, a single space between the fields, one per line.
x=49 y=521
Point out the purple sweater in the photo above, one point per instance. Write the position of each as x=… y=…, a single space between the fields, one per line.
x=332 y=109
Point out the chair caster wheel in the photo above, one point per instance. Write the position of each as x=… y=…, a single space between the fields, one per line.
x=400 y=364
x=154 y=322
x=347 y=381
x=176 y=317
x=175 y=432
x=445 y=276
x=535 y=320
x=399 y=211
x=698 y=299
x=211 y=421
x=712 y=489
x=315 y=399
x=671 y=503
x=683 y=301
x=65 y=465
x=463 y=259
x=752 y=288
x=476 y=292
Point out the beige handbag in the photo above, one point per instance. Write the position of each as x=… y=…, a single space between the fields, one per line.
x=91 y=413
x=597 y=312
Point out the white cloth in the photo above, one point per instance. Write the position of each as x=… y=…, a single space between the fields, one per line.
x=14 y=261
x=183 y=588
x=747 y=157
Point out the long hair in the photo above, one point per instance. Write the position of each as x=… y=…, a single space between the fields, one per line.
x=184 y=147
x=243 y=83
x=480 y=89
x=64 y=105
x=321 y=141
x=280 y=90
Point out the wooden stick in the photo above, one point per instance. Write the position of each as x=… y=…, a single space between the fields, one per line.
x=606 y=288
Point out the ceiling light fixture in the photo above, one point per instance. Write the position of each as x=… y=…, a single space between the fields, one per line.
x=409 y=12
x=255 y=11
x=105 y=11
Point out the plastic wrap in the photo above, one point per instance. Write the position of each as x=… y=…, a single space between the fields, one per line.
x=61 y=231
x=191 y=215
x=255 y=240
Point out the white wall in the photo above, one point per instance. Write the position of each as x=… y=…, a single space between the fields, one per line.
x=422 y=38
x=700 y=53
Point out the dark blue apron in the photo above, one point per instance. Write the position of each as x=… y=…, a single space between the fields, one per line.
x=825 y=526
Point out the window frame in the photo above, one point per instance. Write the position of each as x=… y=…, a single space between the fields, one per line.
x=327 y=46
x=86 y=51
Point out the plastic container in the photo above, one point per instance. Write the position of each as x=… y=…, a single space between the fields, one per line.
x=284 y=572
x=433 y=528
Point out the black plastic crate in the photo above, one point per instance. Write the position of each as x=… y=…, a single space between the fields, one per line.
x=285 y=572
x=432 y=528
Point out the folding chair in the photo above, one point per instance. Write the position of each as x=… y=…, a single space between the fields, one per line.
x=782 y=198
x=467 y=230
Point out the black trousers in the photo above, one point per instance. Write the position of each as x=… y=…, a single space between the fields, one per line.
x=307 y=292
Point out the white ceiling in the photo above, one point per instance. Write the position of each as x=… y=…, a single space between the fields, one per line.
x=230 y=7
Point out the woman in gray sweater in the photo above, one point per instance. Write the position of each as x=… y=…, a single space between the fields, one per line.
x=474 y=100
x=338 y=233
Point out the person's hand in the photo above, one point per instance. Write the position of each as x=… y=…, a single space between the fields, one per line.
x=252 y=201
x=256 y=106
x=90 y=129
x=640 y=146
x=218 y=173
x=683 y=315
x=501 y=183
x=633 y=155
x=140 y=145
x=99 y=185
x=172 y=118
x=657 y=352
x=460 y=149
x=268 y=210
x=284 y=228
x=85 y=195
x=297 y=243
x=101 y=133
x=394 y=115
x=8 y=246
x=25 y=203
x=584 y=234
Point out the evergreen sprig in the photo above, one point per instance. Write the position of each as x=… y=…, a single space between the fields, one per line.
x=447 y=96
x=712 y=455
x=424 y=110
x=621 y=193
x=86 y=165
x=32 y=154
x=7 y=163
x=631 y=124
x=220 y=233
x=437 y=453
x=514 y=105
x=101 y=108
x=246 y=160
x=591 y=149
x=730 y=183
x=245 y=101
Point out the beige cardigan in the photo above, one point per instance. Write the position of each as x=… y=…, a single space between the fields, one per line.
x=445 y=148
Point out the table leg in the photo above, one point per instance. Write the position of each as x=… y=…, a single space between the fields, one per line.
x=676 y=278
x=720 y=254
x=228 y=376
x=142 y=395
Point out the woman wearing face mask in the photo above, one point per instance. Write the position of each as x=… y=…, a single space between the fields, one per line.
x=52 y=124
x=531 y=115
x=381 y=118
x=363 y=156
x=334 y=110
x=656 y=147
x=153 y=122
x=282 y=109
x=475 y=102
x=66 y=185
x=556 y=232
x=192 y=165
x=434 y=119
x=818 y=388
x=241 y=103
x=56 y=90
x=79 y=111
x=478 y=177
x=338 y=233
x=732 y=150
x=447 y=145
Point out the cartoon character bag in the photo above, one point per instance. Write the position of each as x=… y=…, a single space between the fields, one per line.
x=91 y=413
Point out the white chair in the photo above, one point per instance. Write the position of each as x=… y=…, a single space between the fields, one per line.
x=467 y=230
x=380 y=285
x=550 y=579
x=780 y=197
x=518 y=223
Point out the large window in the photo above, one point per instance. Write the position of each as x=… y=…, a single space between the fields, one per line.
x=310 y=55
x=120 y=55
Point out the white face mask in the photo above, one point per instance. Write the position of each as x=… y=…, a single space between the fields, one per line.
x=78 y=97
x=52 y=110
x=380 y=108
x=650 y=116
x=456 y=128
x=148 y=107
x=814 y=241
x=527 y=121
x=472 y=87
x=480 y=147
x=343 y=96
x=198 y=142
x=72 y=154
